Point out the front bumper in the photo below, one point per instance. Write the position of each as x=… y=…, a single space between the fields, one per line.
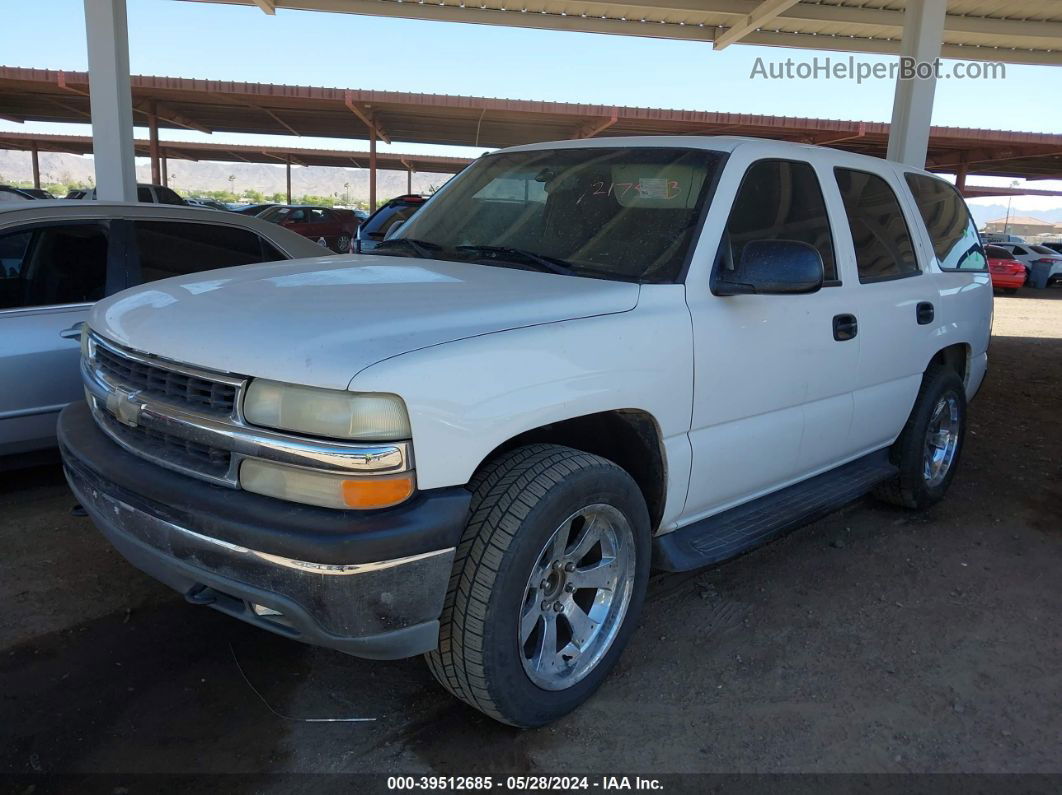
x=367 y=583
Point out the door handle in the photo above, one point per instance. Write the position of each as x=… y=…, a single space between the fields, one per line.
x=924 y=313
x=845 y=327
x=72 y=333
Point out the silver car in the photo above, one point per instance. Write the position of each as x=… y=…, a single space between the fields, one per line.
x=58 y=257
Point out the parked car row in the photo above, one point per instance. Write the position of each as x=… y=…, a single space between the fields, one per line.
x=333 y=229
x=210 y=204
x=9 y=193
x=1031 y=255
x=1008 y=274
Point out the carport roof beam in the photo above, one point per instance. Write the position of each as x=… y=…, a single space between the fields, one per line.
x=1012 y=31
x=756 y=19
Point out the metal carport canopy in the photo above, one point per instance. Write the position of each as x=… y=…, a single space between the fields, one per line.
x=225 y=106
x=35 y=143
x=1026 y=31
x=1014 y=31
x=241 y=153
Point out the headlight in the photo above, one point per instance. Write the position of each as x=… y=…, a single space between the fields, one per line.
x=325 y=489
x=333 y=413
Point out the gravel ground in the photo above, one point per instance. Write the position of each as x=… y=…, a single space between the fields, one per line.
x=875 y=640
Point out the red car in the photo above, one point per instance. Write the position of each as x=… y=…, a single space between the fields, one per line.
x=1007 y=273
x=333 y=229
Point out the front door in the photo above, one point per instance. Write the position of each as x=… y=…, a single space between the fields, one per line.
x=773 y=373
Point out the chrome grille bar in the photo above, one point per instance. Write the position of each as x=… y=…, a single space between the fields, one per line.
x=197 y=440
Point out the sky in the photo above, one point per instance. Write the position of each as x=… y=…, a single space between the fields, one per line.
x=205 y=40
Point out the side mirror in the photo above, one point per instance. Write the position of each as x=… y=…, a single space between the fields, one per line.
x=772 y=267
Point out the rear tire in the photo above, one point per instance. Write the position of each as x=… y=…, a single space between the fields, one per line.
x=518 y=640
x=928 y=449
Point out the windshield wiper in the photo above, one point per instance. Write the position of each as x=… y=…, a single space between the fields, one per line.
x=550 y=264
x=422 y=248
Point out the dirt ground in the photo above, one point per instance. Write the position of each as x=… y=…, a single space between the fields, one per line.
x=875 y=640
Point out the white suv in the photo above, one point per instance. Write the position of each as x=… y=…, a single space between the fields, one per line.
x=578 y=361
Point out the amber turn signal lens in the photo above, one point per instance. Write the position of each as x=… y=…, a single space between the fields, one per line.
x=378 y=492
x=325 y=489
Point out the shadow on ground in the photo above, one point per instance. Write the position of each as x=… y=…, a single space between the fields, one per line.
x=874 y=640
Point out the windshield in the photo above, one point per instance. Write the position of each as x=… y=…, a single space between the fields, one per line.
x=277 y=214
x=627 y=213
x=1042 y=250
x=387 y=218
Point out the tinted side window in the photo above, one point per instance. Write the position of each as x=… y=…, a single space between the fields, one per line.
x=144 y=194
x=779 y=200
x=950 y=227
x=13 y=250
x=270 y=253
x=53 y=265
x=882 y=241
x=167 y=196
x=173 y=248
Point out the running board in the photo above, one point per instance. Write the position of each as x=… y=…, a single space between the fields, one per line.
x=739 y=529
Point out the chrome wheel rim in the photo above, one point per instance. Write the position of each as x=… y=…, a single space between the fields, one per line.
x=576 y=597
x=942 y=440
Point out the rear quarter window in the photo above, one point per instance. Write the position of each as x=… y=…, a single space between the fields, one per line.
x=948 y=221
x=882 y=241
x=174 y=248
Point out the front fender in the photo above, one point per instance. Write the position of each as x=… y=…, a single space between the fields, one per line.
x=465 y=398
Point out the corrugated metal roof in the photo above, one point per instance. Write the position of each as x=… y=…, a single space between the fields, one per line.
x=299 y=156
x=225 y=106
x=1013 y=31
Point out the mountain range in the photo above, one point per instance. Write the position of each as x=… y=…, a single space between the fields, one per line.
x=189 y=176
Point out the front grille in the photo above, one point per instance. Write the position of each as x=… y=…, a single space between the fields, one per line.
x=198 y=394
x=181 y=453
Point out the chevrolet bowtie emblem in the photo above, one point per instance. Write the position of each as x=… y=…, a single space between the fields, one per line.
x=125 y=406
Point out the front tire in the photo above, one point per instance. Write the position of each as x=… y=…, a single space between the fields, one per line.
x=928 y=449
x=547 y=584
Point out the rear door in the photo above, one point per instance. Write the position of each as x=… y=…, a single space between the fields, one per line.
x=896 y=302
x=50 y=274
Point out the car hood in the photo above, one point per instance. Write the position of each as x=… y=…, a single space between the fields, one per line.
x=321 y=321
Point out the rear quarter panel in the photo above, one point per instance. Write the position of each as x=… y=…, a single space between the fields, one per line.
x=965 y=304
